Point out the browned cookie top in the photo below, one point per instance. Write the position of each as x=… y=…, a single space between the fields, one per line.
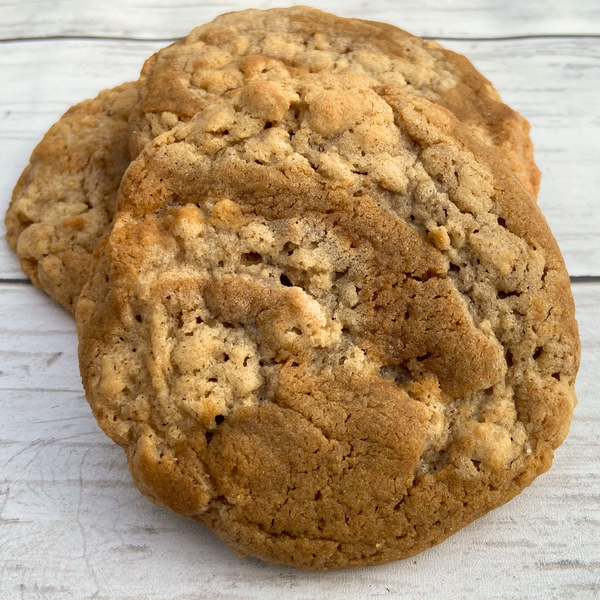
x=217 y=58
x=65 y=198
x=329 y=324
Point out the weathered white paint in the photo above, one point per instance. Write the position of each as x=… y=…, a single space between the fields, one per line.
x=72 y=525
x=169 y=19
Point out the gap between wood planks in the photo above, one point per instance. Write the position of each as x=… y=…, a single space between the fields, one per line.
x=533 y=36
x=585 y=279
x=576 y=279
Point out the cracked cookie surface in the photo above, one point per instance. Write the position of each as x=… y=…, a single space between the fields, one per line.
x=64 y=200
x=329 y=324
x=214 y=60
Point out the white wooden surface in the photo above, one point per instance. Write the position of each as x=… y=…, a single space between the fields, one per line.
x=72 y=525
x=164 y=19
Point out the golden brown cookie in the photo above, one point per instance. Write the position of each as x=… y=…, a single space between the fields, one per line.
x=217 y=58
x=329 y=324
x=65 y=198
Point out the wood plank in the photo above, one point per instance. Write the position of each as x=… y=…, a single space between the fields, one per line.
x=38 y=344
x=72 y=525
x=165 y=19
x=554 y=83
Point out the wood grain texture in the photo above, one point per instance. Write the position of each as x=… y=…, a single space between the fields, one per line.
x=72 y=525
x=166 y=19
x=554 y=83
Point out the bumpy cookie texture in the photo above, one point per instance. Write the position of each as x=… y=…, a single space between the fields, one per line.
x=216 y=59
x=329 y=324
x=65 y=198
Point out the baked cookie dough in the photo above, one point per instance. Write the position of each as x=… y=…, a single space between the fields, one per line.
x=214 y=60
x=65 y=198
x=329 y=324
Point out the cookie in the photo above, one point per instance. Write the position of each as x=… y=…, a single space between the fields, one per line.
x=329 y=324
x=64 y=200
x=217 y=58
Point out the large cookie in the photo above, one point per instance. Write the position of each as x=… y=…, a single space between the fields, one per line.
x=217 y=58
x=329 y=324
x=64 y=200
